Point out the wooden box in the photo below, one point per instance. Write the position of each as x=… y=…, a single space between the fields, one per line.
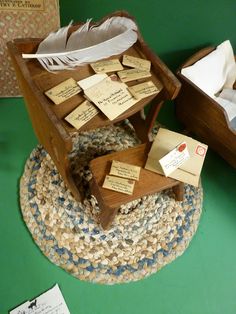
x=205 y=117
x=52 y=131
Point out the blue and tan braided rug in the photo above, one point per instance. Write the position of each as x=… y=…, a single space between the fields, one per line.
x=146 y=235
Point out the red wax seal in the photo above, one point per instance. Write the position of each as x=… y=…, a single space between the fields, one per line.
x=182 y=147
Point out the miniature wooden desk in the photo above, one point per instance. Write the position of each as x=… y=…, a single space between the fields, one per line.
x=52 y=131
x=149 y=182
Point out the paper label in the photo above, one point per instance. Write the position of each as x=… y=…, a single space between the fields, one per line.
x=133 y=74
x=117 y=184
x=50 y=302
x=135 y=62
x=107 y=66
x=125 y=170
x=143 y=90
x=174 y=159
x=91 y=80
x=111 y=97
x=22 y=5
x=63 y=91
x=82 y=114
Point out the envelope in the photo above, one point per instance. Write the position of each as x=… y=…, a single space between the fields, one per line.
x=165 y=140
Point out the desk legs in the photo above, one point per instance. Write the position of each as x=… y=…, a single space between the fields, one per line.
x=178 y=191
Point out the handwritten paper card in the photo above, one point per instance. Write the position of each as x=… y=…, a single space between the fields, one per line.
x=106 y=66
x=50 y=302
x=135 y=62
x=133 y=74
x=91 y=80
x=165 y=140
x=174 y=159
x=125 y=170
x=117 y=184
x=111 y=97
x=143 y=90
x=82 y=114
x=63 y=91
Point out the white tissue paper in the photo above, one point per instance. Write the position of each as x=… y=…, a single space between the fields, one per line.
x=215 y=73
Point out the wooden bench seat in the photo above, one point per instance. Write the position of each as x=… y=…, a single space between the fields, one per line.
x=149 y=182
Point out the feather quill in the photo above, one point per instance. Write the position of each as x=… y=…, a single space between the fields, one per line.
x=85 y=45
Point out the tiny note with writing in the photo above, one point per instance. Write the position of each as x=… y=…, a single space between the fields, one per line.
x=135 y=62
x=133 y=74
x=117 y=184
x=63 y=91
x=174 y=159
x=143 y=90
x=125 y=170
x=106 y=66
x=82 y=114
x=51 y=301
x=111 y=97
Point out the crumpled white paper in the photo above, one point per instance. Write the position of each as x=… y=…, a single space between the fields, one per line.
x=216 y=73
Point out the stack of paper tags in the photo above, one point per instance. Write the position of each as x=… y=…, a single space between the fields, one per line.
x=109 y=94
x=122 y=177
x=177 y=156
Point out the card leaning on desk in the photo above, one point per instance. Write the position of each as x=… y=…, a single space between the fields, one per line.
x=164 y=142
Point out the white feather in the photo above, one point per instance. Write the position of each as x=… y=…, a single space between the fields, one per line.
x=86 y=45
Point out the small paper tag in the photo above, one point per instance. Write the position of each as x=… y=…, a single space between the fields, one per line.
x=82 y=114
x=135 y=62
x=125 y=170
x=107 y=66
x=174 y=159
x=133 y=74
x=117 y=184
x=91 y=80
x=51 y=302
x=143 y=90
x=63 y=91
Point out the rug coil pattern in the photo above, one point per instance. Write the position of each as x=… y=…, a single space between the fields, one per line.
x=146 y=235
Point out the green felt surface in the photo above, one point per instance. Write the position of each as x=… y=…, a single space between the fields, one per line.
x=203 y=280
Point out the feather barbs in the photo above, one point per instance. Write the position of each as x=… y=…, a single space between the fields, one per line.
x=85 y=45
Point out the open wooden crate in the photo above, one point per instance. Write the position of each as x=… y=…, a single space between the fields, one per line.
x=204 y=116
x=52 y=131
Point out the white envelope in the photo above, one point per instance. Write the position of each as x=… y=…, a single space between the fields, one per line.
x=164 y=142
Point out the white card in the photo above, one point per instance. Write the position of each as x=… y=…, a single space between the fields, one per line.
x=51 y=302
x=91 y=80
x=111 y=97
x=174 y=159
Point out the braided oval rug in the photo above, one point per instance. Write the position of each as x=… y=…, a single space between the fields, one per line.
x=146 y=235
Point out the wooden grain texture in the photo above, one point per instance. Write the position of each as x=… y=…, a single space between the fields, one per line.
x=149 y=182
x=205 y=117
x=52 y=131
